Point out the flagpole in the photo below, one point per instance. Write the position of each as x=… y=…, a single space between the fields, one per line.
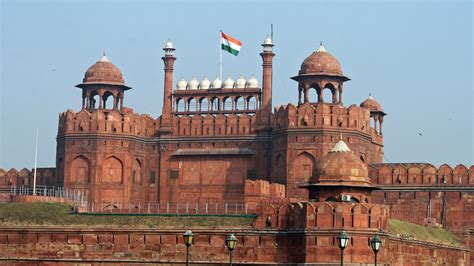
x=36 y=160
x=220 y=49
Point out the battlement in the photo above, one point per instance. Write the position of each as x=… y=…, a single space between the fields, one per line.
x=24 y=177
x=323 y=115
x=420 y=174
x=107 y=121
x=324 y=215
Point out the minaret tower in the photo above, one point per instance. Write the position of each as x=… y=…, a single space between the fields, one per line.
x=267 y=57
x=168 y=60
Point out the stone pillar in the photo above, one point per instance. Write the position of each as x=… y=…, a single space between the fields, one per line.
x=267 y=56
x=299 y=95
x=306 y=93
x=168 y=60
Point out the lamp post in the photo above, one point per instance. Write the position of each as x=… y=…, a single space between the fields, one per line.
x=376 y=244
x=342 y=240
x=231 y=242
x=188 y=241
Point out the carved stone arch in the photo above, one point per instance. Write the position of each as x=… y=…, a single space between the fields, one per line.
x=429 y=174
x=446 y=171
x=471 y=175
x=461 y=174
x=80 y=170
x=137 y=172
x=180 y=105
x=303 y=165
x=204 y=104
x=399 y=174
x=414 y=174
x=112 y=170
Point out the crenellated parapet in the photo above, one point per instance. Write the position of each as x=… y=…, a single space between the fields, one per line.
x=326 y=116
x=420 y=174
x=324 y=215
x=107 y=122
x=44 y=177
x=214 y=125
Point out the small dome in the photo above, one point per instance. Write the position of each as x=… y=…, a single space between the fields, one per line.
x=240 y=82
x=341 y=165
x=371 y=104
x=181 y=85
x=228 y=83
x=103 y=72
x=267 y=41
x=216 y=83
x=205 y=84
x=252 y=82
x=193 y=84
x=321 y=62
x=169 y=45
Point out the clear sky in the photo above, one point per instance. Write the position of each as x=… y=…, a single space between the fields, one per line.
x=414 y=57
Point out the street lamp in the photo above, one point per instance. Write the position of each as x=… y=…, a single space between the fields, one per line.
x=188 y=241
x=376 y=244
x=231 y=242
x=342 y=240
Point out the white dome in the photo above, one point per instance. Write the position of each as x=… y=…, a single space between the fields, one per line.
x=205 y=84
x=267 y=40
x=216 y=83
x=193 y=84
x=252 y=82
x=169 y=45
x=181 y=85
x=240 y=82
x=228 y=83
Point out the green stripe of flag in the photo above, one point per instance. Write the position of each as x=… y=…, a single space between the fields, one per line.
x=229 y=49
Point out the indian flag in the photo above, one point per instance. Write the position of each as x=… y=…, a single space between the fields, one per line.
x=230 y=44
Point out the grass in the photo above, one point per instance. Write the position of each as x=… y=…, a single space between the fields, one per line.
x=418 y=232
x=21 y=214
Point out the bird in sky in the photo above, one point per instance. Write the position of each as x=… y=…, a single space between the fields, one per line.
x=420 y=134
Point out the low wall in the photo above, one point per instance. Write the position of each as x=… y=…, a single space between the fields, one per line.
x=69 y=245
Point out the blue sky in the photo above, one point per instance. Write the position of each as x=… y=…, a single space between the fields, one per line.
x=414 y=57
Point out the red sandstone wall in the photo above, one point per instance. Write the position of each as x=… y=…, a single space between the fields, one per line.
x=254 y=246
x=24 y=177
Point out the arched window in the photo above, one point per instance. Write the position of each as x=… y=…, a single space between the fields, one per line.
x=108 y=100
x=328 y=95
x=79 y=170
x=180 y=105
x=94 y=100
x=251 y=103
x=239 y=103
x=227 y=104
x=204 y=105
x=215 y=106
x=192 y=106
x=112 y=171
x=313 y=94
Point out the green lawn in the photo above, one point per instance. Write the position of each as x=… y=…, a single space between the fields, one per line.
x=418 y=232
x=19 y=214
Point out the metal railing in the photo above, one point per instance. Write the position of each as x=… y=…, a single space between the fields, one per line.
x=190 y=207
x=70 y=195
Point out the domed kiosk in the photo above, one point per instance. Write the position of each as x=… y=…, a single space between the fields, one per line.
x=340 y=176
x=376 y=112
x=320 y=71
x=101 y=81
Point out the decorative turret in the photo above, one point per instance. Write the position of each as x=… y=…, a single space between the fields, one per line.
x=101 y=81
x=168 y=60
x=340 y=176
x=376 y=112
x=320 y=71
x=267 y=57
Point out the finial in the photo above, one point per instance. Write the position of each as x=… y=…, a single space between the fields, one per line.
x=370 y=96
x=321 y=43
x=103 y=54
x=340 y=135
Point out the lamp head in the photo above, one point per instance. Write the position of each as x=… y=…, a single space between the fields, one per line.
x=188 y=238
x=342 y=240
x=376 y=243
x=231 y=242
